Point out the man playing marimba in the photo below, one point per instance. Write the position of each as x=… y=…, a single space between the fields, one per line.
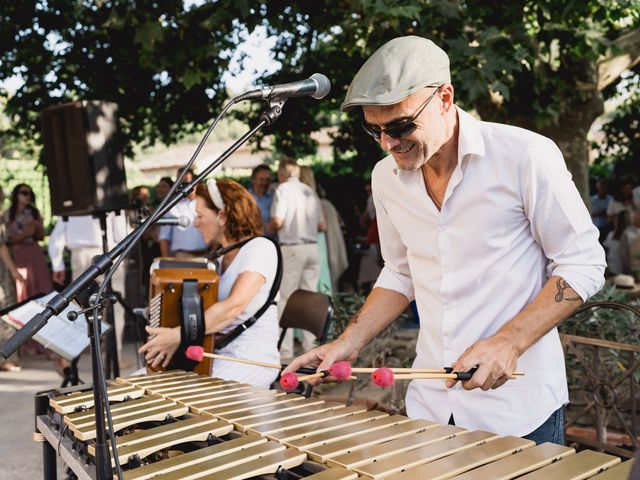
x=482 y=225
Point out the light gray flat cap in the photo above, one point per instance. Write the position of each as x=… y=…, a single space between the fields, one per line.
x=396 y=70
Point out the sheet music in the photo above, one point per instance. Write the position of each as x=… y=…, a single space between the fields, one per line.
x=66 y=338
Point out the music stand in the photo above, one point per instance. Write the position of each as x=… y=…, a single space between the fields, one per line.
x=62 y=336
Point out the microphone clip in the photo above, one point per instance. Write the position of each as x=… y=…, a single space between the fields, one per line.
x=106 y=301
x=274 y=111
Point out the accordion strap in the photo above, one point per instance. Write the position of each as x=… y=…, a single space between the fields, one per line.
x=222 y=341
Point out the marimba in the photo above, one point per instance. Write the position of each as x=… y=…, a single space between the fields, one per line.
x=229 y=430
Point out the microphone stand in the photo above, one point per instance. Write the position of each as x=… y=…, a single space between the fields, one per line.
x=103 y=263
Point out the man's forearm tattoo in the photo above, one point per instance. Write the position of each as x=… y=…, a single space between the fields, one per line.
x=560 y=295
x=355 y=318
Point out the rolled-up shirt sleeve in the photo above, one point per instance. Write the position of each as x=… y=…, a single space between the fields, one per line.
x=165 y=233
x=560 y=221
x=395 y=274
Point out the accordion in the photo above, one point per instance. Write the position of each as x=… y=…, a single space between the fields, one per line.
x=179 y=293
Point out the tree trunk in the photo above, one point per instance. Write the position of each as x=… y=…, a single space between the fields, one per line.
x=571 y=137
x=575 y=149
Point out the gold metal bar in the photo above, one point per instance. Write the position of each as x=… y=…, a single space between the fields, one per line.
x=330 y=437
x=617 y=472
x=282 y=425
x=403 y=444
x=322 y=453
x=453 y=465
x=516 y=465
x=582 y=465
x=223 y=463
x=398 y=463
x=192 y=458
x=88 y=432
x=326 y=426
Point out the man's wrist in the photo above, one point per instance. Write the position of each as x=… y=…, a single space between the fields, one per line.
x=511 y=338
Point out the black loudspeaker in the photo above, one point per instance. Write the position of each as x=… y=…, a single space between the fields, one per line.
x=83 y=155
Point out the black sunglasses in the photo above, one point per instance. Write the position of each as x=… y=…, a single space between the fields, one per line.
x=398 y=128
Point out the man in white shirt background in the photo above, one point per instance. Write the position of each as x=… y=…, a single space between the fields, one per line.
x=482 y=225
x=178 y=241
x=296 y=216
x=82 y=235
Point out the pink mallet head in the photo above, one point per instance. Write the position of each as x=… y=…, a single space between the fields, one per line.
x=194 y=352
x=341 y=370
x=289 y=381
x=383 y=377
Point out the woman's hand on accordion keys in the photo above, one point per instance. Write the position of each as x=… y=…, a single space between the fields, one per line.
x=161 y=346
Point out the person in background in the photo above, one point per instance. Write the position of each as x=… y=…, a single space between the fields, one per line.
x=630 y=248
x=25 y=231
x=82 y=235
x=622 y=200
x=371 y=260
x=184 y=242
x=599 y=205
x=228 y=214
x=9 y=276
x=297 y=219
x=260 y=180
x=612 y=243
x=162 y=189
x=140 y=260
x=324 y=282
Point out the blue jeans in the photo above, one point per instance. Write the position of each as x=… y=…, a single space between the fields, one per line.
x=552 y=430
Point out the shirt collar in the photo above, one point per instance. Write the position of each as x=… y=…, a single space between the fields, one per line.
x=470 y=141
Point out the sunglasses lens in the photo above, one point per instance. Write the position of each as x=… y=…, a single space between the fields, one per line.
x=371 y=130
x=399 y=131
x=394 y=131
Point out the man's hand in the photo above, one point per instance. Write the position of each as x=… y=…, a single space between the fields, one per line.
x=58 y=277
x=323 y=357
x=496 y=358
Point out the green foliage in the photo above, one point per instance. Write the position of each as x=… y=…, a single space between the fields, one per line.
x=161 y=63
x=604 y=324
x=527 y=62
x=620 y=150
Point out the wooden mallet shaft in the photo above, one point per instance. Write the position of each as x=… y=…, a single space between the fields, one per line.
x=241 y=360
x=418 y=371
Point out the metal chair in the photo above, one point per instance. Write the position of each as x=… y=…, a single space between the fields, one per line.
x=311 y=311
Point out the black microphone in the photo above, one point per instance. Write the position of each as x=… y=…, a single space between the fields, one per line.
x=316 y=86
x=180 y=221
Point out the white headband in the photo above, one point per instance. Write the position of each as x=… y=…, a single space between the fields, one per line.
x=214 y=193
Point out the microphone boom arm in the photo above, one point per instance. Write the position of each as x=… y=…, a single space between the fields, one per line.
x=102 y=263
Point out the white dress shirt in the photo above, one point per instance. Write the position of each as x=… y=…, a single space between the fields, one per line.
x=298 y=206
x=84 y=232
x=511 y=217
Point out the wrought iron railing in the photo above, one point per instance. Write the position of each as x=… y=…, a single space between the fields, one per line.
x=609 y=385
